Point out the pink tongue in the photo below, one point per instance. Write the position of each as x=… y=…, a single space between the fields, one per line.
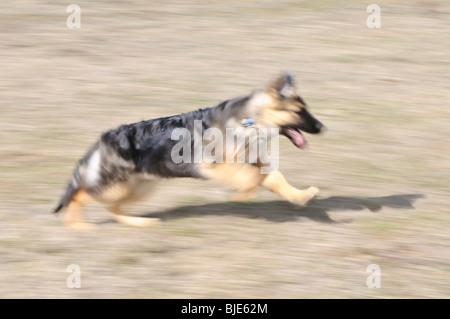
x=297 y=138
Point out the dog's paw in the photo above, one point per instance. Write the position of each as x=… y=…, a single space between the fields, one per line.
x=305 y=196
x=314 y=191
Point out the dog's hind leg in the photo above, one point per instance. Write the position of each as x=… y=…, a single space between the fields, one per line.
x=276 y=182
x=73 y=218
x=132 y=220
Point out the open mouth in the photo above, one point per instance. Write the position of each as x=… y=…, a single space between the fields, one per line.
x=295 y=136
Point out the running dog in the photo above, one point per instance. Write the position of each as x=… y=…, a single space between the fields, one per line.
x=126 y=163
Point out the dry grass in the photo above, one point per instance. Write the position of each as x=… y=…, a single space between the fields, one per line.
x=382 y=166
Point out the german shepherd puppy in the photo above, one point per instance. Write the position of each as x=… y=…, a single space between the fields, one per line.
x=126 y=162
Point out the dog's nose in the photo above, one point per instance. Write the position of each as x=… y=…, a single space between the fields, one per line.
x=320 y=127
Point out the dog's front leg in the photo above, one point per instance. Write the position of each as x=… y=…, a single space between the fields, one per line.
x=277 y=183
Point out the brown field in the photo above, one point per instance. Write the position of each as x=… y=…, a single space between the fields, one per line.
x=382 y=167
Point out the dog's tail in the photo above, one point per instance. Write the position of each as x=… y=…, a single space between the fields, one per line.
x=71 y=189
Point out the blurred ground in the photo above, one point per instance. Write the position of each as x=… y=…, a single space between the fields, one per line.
x=382 y=167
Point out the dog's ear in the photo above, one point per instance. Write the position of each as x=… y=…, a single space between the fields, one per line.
x=283 y=86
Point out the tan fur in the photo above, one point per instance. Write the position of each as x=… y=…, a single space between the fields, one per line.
x=132 y=220
x=246 y=196
x=270 y=111
x=276 y=118
x=127 y=192
x=239 y=177
x=73 y=217
x=245 y=179
x=114 y=196
x=276 y=182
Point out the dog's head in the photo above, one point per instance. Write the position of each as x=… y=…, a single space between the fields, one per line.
x=279 y=105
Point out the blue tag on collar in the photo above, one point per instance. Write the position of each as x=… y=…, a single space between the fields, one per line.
x=248 y=121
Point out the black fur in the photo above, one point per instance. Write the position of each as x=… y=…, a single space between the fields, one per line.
x=309 y=123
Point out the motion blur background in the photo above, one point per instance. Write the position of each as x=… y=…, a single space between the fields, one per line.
x=382 y=166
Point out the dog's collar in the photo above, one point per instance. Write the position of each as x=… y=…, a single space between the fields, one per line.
x=248 y=122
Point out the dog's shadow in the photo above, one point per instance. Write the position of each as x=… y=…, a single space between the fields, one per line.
x=282 y=211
